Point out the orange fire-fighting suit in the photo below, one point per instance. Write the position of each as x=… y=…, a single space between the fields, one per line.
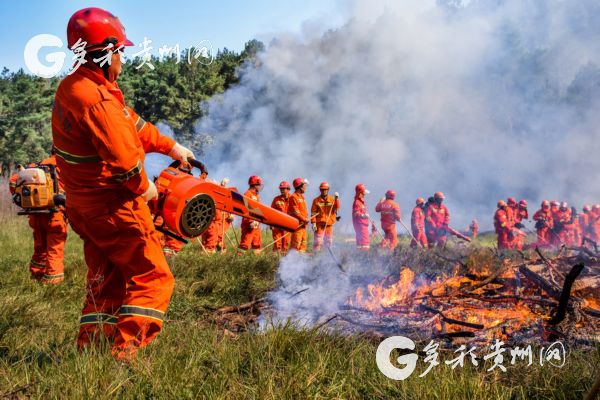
x=360 y=220
x=170 y=245
x=595 y=224
x=212 y=238
x=250 y=229
x=585 y=228
x=503 y=227
x=297 y=209
x=439 y=219
x=281 y=238
x=543 y=225
x=520 y=215
x=417 y=224
x=100 y=146
x=562 y=227
x=474 y=228
x=324 y=211
x=390 y=213
x=49 y=236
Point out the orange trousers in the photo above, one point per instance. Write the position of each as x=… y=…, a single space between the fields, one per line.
x=49 y=236
x=281 y=240
x=420 y=237
x=363 y=241
x=299 y=240
x=324 y=233
x=250 y=238
x=171 y=246
x=129 y=283
x=390 y=239
x=212 y=237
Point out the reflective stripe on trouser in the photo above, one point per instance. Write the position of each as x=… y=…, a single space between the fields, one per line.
x=324 y=234
x=390 y=239
x=363 y=240
x=128 y=274
x=299 y=240
x=49 y=236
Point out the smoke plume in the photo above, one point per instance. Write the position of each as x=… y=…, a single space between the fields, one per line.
x=478 y=99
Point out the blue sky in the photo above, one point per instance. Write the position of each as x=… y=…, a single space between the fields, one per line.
x=226 y=23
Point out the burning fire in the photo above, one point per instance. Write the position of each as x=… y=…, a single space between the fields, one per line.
x=456 y=310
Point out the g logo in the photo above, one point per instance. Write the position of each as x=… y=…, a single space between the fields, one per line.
x=384 y=351
x=56 y=59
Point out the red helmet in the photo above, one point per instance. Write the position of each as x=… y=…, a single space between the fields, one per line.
x=523 y=203
x=596 y=207
x=255 y=180
x=439 y=195
x=324 y=186
x=554 y=203
x=545 y=203
x=501 y=203
x=284 y=185
x=97 y=27
x=390 y=194
x=511 y=201
x=587 y=208
x=299 y=182
x=420 y=200
x=361 y=188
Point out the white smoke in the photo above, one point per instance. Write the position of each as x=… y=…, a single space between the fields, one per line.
x=479 y=99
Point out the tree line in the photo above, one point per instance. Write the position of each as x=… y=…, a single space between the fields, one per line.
x=173 y=92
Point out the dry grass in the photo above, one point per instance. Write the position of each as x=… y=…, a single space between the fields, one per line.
x=193 y=359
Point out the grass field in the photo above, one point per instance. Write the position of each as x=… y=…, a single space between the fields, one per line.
x=193 y=358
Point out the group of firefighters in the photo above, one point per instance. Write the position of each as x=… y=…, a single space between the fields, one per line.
x=556 y=224
x=429 y=221
x=99 y=146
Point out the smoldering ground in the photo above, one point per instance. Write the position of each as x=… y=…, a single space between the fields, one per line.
x=479 y=99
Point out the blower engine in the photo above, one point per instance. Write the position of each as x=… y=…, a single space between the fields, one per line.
x=187 y=204
x=37 y=190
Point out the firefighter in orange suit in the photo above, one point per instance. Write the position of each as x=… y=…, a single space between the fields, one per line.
x=390 y=213
x=297 y=209
x=281 y=238
x=544 y=223
x=474 y=228
x=361 y=218
x=250 y=238
x=324 y=211
x=438 y=217
x=226 y=220
x=502 y=225
x=417 y=224
x=100 y=146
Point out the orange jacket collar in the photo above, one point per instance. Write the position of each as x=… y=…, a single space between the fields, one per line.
x=95 y=75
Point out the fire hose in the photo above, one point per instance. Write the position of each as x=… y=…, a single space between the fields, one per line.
x=457 y=234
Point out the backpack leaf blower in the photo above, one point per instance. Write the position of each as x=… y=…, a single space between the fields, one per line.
x=187 y=204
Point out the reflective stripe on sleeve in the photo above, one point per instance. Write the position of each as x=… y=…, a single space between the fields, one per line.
x=139 y=124
x=76 y=159
x=129 y=174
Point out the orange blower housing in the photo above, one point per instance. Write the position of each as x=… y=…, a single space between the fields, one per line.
x=187 y=204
